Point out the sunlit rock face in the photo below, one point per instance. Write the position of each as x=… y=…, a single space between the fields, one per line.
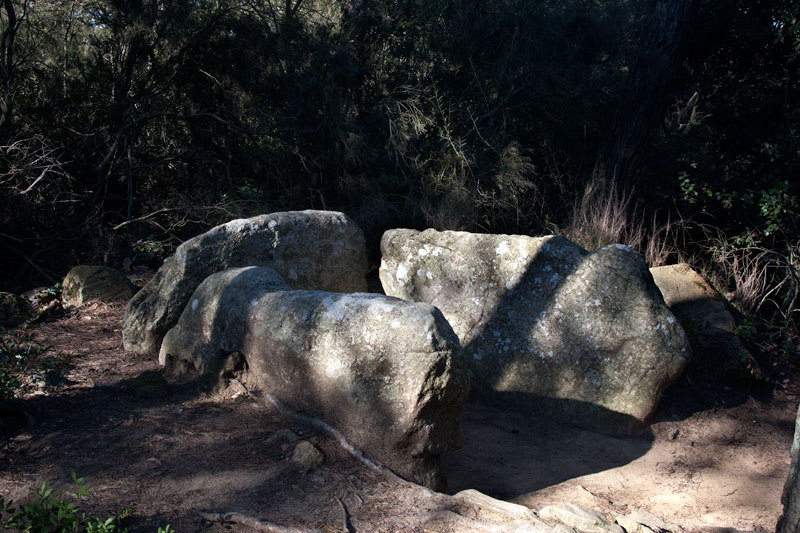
x=704 y=314
x=387 y=373
x=545 y=325
x=315 y=250
x=85 y=283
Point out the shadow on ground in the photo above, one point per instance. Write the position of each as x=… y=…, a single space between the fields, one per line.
x=508 y=454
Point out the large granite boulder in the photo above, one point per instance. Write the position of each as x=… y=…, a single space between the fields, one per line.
x=85 y=283
x=315 y=250
x=790 y=521
x=14 y=310
x=388 y=374
x=545 y=325
x=704 y=315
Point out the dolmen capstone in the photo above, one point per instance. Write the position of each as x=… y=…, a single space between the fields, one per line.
x=546 y=326
x=314 y=250
x=387 y=373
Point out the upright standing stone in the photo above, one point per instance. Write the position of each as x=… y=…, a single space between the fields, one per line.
x=545 y=325
x=316 y=250
x=388 y=374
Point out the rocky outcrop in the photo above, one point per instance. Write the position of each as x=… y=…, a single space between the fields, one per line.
x=545 y=325
x=704 y=315
x=386 y=373
x=790 y=521
x=85 y=283
x=315 y=250
x=14 y=310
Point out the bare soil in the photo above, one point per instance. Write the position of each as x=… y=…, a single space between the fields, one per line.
x=167 y=450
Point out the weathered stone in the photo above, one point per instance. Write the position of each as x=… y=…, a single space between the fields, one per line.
x=43 y=299
x=85 y=283
x=545 y=325
x=581 y=518
x=790 y=521
x=14 y=310
x=307 y=455
x=282 y=436
x=704 y=315
x=640 y=521
x=386 y=373
x=315 y=250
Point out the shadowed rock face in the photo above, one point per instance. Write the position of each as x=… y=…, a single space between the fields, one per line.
x=544 y=324
x=316 y=250
x=387 y=373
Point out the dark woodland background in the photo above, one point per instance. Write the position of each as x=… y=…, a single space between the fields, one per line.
x=127 y=126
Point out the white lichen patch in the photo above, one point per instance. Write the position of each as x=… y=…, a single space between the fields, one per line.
x=401 y=275
x=502 y=248
x=272 y=223
x=195 y=303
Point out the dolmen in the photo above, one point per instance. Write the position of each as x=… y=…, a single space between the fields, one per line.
x=388 y=374
x=537 y=324
x=546 y=327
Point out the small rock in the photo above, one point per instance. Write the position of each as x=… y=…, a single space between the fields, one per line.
x=648 y=522
x=307 y=455
x=85 y=283
x=581 y=518
x=282 y=435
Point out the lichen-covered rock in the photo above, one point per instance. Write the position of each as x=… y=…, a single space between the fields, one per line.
x=85 y=283
x=545 y=325
x=14 y=310
x=790 y=521
x=315 y=250
x=704 y=315
x=388 y=374
x=43 y=299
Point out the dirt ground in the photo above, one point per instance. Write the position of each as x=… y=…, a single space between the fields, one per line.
x=167 y=450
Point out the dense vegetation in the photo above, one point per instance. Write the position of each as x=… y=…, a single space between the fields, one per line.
x=128 y=125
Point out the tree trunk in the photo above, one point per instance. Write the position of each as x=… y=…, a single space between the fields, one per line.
x=640 y=112
x=7 y=38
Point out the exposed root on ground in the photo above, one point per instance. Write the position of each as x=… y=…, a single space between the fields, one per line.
x=255 y=523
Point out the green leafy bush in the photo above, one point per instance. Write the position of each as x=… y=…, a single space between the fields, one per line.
x=48 y=511
x=25 y=362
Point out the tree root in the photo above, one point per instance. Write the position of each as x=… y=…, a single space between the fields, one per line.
x=254 y=523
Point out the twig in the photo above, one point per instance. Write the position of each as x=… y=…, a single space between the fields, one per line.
x=255 y=523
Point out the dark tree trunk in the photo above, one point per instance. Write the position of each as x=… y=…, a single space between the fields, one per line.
x=7 y=37
x=640 y=112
